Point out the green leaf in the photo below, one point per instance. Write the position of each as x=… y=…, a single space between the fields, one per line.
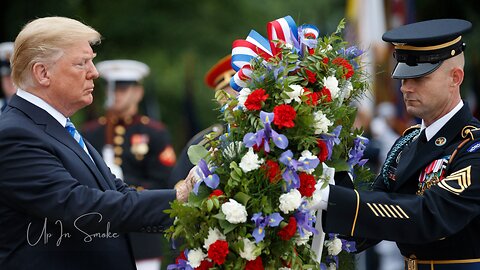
x=242 y=198
x=209 y=205
x=227 y=226
x=196 y=152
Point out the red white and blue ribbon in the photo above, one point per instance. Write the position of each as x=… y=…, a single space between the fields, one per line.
x=281 y=30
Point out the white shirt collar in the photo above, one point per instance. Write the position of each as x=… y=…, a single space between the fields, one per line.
x=437 y=125
x=43 y=105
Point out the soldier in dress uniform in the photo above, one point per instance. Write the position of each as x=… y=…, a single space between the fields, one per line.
x=217 y=78
x=427 y=195
x=6 y=50
x=133 y=145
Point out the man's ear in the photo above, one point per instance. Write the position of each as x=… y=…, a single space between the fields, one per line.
x=457 y=76
x=41 y=74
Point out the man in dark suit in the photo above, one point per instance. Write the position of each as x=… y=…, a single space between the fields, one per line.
x=427 y=196
x=60 y=206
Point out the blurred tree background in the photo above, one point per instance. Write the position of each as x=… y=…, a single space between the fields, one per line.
x=181 y=40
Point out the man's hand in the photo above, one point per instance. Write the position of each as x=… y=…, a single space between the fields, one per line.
x=184 y=187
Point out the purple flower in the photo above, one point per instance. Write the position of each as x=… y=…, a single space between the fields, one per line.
x=182 y=264
x=348 y=246
x=331 y=140
x=305 y=220
x=356 y=153
x=265 y=134
x=272 y=220
x=210 y=179
x=290 y=174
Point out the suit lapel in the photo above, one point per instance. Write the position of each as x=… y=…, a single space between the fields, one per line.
x=55 y=130
x=416 y=157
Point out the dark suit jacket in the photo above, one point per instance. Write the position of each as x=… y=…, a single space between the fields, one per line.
x=58 y=209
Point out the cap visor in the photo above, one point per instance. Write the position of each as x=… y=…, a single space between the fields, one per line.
x=404 y=71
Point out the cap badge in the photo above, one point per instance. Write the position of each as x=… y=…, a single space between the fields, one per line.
x=440 y=141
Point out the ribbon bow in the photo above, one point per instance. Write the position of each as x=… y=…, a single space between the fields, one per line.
x=283 y=30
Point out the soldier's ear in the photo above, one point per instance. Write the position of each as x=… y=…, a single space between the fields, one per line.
x=457 y=75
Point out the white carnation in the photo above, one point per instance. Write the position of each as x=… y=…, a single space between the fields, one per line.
x=299 y=240
x=347 y=89
x=322 y=123
x=248 y=250
x=243 y=95
x=334 y=246
x=295 y=94
x=250 y=161
x=332 y=84
x=234 y=212
x=290 y=201
x=213 y=235
x=195 y=257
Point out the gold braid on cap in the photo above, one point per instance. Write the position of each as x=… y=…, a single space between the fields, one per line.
x=428 y=48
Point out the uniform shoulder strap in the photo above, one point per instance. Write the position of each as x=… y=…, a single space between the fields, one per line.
x=469 y=133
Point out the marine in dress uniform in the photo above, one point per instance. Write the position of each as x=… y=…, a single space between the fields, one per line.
x=134 y=145
x=6 y=50
x=427 y=195
x=217 y=78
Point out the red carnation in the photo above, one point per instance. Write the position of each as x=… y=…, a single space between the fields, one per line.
x=216 y=192
x=325 y=60
x=255 y=99
x=323 y=150
x=307 y=184
x=284 y=116
x=272 y=170
x=288 y=231
x=205 y=265
x=325 y=94
x=312 y=97
x=311 y=50
x=256 y=264
x=345 y=64
x=312 y=78
x=218 y=251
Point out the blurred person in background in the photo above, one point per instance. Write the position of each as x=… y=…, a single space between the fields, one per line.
x=6 y=51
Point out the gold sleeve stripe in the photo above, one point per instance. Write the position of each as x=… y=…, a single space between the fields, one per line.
x=395 y=210
x=356 y=213
x=389 y=210
x=400 y=209
x=373 y=210
x=385 y=211
x=462 y=178
x=378 y=209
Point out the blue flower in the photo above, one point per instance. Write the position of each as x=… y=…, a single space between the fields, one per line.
x=182 y=264
x=210 y=179
x=272 y=220
x=356 y=153
x=331 y=140
x=265 y=134
x=305 y=220
x=290 y=174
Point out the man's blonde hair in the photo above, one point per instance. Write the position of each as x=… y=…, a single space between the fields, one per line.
x=44 y=40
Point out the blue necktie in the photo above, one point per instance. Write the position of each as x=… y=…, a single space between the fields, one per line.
x=76 y=135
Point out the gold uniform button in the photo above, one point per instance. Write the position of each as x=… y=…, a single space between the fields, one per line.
x=144 y=120
x=102 y=120
x=118 y=150
x=118 y=161
x=118 y=140
x=120 y=130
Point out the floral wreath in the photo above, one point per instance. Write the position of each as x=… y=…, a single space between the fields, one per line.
x=289 y=130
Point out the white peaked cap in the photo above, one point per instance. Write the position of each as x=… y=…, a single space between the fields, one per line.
x=6 y=50
x=122 y=70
